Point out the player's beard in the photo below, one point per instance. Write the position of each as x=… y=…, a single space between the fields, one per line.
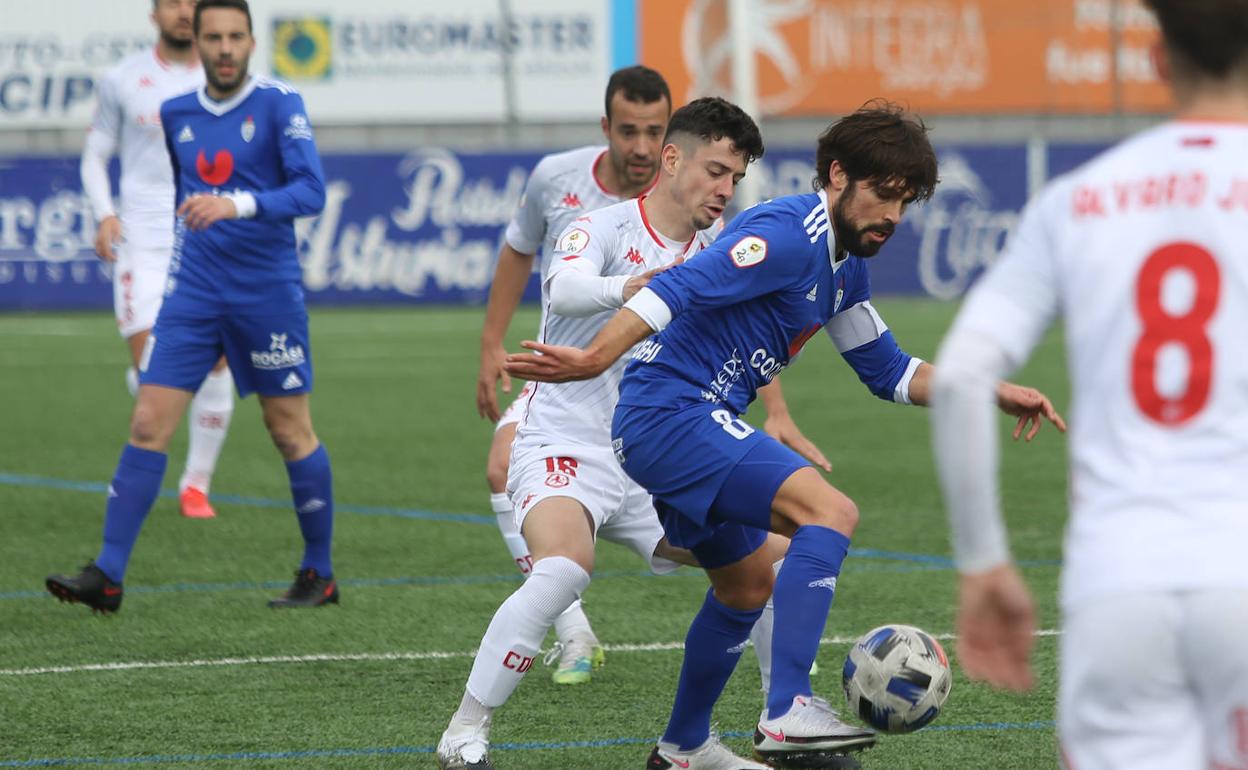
x=227 y=86
x=851 y=237
x=629 y=175
x=176 y=43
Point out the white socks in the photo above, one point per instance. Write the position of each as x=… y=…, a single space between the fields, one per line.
x=208 y=421
x=515 y=634
x=573 y=621
x=760 y=636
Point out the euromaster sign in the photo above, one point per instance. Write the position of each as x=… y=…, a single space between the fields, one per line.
x=367 y=61
x=827 y=57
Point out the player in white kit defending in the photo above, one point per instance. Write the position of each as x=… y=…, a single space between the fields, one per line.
x=139 y=238
x=562 y=187
x=564 y=480
x=1144 y=252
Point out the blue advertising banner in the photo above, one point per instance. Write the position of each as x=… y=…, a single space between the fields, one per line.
x=425 y=227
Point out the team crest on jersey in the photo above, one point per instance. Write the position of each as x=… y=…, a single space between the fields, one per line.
x=749 y=251
x=248 y=130
x=573 y=241
x=299 y=127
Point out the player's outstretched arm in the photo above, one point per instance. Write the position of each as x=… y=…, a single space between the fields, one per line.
x=780 y=426
x=1029 y=405
x=511 y=275
x=558 y=363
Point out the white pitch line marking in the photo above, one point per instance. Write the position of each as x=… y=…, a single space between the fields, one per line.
x=364 y=656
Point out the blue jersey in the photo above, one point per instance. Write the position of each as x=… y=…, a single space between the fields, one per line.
x=257 y=146
x=743 y=308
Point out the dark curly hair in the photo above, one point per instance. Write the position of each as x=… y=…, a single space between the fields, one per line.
x=882 y=144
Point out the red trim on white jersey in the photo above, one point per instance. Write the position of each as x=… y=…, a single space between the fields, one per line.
x=653 y=233
x=593 y=173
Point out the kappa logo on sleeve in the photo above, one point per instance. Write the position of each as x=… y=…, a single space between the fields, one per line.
x=749 y=251
x=573 y=241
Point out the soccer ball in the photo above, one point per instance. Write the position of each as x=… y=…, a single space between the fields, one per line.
x=896 y=678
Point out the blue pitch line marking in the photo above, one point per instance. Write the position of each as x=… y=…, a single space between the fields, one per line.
x=15 y=480
x=254 y=756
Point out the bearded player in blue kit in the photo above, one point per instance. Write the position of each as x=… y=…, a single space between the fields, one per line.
x=729 y=321
x=245 y=165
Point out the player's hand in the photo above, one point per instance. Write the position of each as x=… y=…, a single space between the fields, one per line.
x=202 y=211
x=552 y=363
x=107 y=236
x=996 y=628
x=639 y=282
x=1029 y=406
x=488 y=376
x=782 y=428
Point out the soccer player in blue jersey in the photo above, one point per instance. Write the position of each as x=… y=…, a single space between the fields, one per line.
x=245 y=166
x=729 y=321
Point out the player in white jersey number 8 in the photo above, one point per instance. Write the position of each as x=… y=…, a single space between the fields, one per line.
x=1142 y=251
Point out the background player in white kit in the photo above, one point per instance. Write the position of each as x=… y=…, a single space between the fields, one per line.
x=1144 y=252
x=562 y=187
x=139 y=239
x=564 y=479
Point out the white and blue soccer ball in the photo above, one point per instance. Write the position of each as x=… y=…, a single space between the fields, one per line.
x=896 y=678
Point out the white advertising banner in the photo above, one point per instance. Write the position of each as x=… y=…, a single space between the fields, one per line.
x=359 y=62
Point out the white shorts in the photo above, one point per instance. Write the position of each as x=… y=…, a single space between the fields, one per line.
x=517 y=410
x=139 y=278
x=621 y=510
x=1156 y=680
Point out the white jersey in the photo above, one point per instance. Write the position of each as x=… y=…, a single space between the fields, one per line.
x=615 y=241
x=561 y=188
x=1144 y=251
x=127 y=122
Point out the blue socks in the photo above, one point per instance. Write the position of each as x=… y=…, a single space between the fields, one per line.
x=716 y=639
x=312 y=489
x=131 y=495
x=802 y=598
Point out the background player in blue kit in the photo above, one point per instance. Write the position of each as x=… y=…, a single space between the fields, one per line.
x=729 y=321
x=245 y=166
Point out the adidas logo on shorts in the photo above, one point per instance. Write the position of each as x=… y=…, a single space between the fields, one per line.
x=291 y=382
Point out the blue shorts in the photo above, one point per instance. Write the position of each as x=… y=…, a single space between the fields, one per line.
x=268 y=354
x=713 y=477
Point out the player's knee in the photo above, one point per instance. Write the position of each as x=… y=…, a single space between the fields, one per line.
x=293 y=439
x=748 y=593
x=147 y=430
x=836 y=512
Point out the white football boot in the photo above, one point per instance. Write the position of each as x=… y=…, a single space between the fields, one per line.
x=466 y=748
x=711 y=755
x=810 y=727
